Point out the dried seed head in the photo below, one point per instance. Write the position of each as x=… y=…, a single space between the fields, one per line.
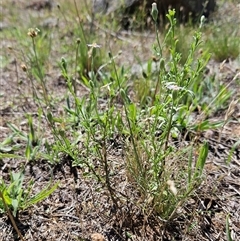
x=155 y=58
x=33 y=32
x=24 y=67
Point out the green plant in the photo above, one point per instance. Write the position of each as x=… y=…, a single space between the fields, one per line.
x=136 y=140
x=184 y=40
x=224 y=44
x=18 y=198
x=84 y=49
x=8 y=146
x=151 y=158
x=148 y=155
x=37 y=60
x=30 y=139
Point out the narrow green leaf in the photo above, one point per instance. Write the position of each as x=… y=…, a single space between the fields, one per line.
x=202 y=156
x=228 y=232
x=6 y=197
x=17 y=131
x=8 y=155
x=40 y=196
x=15 y=206
x=201 y=160
x=190 y=158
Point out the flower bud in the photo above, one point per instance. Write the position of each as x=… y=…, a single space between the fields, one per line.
x=154 y=12
x=202 y=21
x=64 y=64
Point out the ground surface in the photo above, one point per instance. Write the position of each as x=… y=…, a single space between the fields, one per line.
x=80 y=207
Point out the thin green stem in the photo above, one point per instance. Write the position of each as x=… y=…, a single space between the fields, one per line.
x=41 y=77
x=80 y=22
x=126 y=113
x=11 y=216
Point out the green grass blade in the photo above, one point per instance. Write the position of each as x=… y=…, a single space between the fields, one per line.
x=40 y=196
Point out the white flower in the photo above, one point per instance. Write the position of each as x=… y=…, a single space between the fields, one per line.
x=94 y=45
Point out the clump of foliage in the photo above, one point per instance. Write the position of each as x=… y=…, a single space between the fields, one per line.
x=152 y=114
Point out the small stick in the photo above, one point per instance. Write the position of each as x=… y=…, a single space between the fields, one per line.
x=11 y=217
